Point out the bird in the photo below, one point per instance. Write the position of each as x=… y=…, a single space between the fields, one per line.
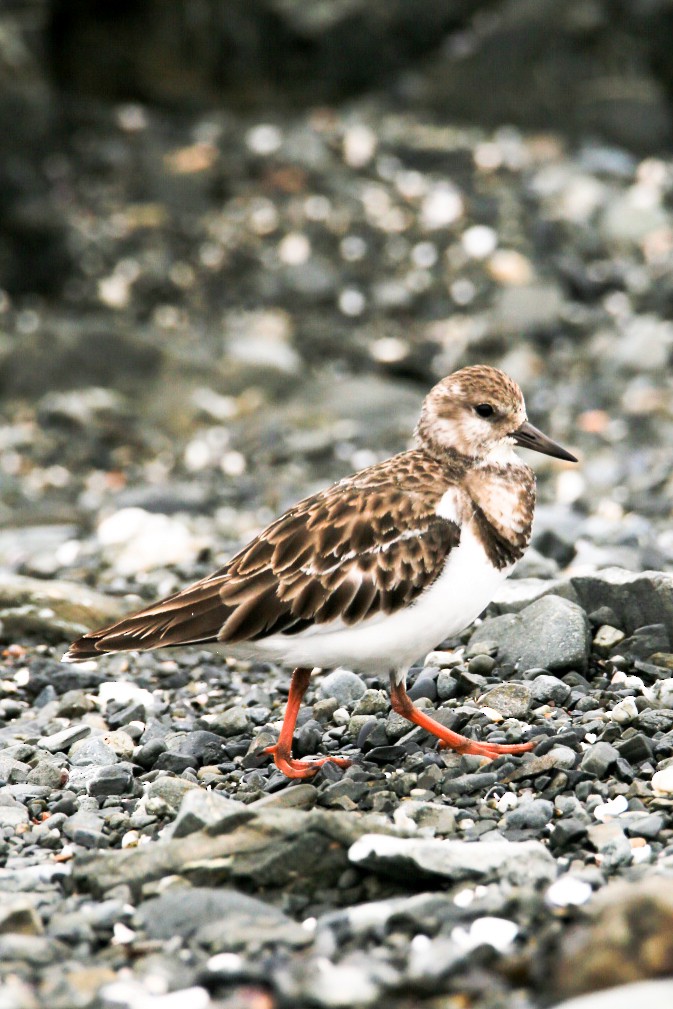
x=376 y=570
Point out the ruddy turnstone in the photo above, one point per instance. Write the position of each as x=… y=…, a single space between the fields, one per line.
x=377 y=569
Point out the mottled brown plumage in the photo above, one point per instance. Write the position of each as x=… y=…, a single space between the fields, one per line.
x=371 y=543
x=379 y=567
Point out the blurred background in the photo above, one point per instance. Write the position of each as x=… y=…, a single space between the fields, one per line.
x=240 y=240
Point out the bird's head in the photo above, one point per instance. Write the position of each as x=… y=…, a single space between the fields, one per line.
x=479 y=412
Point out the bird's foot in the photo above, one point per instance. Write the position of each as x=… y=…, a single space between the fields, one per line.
x=491 y=750
x=301 y=768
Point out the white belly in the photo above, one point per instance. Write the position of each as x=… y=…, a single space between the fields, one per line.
x=464 y=588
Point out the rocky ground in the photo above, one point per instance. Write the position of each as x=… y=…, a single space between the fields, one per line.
x=243 y=310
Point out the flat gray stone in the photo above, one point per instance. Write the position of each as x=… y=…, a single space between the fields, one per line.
x=519 y=862
x=95 y=750
x=57 y=609
x=220 y=919
x=636 y=598
x=202 y=809
x=61 y=741
x=552 y=633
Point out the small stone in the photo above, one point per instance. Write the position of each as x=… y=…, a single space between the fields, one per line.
x=535 y=814
x=547 y=689
x=662 y=781
x=13 y=816
x=512 y=700
x=372 y=702
x=90 y=751
x=111 y=780
x=636 y=748
x=324 y=709
x=447 y=685
x=46 y=773
x=481 y=665
x=599 y=758
x=648 y=826
x=170 y=790
x=147 y=754
x=517 y=861
x=443 y=660
x=232 y=722
x=85 y=828
x=344 y=686
x=11 y=770
x=60 y=742
x=201 y=809
x=19 y=916
x=566 y=832
x=561 y=757
x=607 y=638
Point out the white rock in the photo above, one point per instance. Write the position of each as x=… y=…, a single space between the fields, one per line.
x=625 y=711
x=499 y=933
x=662 y=781
x=442 y=206
x=614 y=807
x=135 y=540
x=568 y=890
x=125 y=692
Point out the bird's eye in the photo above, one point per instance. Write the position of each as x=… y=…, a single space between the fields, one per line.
x=484 y=410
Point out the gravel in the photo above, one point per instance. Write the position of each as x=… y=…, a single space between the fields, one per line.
x=296 y=282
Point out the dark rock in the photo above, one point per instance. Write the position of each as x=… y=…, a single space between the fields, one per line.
x=599 y=758
x=552 y=633
x=566 y=832
x=114 y=780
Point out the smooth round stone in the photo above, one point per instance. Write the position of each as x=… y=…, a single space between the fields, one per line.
x=534 y=814
x=344 y=686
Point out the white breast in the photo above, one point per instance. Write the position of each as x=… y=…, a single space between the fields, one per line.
x=463 y=589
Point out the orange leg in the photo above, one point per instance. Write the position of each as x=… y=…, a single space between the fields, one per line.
x=402 y=704
x=282 y=750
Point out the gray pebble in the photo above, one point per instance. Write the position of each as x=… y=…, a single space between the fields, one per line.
x=61 y=741
x=547 y=689
x=372 y=702
x=232 y=722
x=112 y=780
x=536 y=813
x=599 y=758
x=344 y=686
x=170 y=790
x=92 y=751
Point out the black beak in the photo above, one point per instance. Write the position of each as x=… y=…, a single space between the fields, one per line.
x=529 y=437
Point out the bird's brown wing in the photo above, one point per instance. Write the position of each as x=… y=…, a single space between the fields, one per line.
x=363 y=547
